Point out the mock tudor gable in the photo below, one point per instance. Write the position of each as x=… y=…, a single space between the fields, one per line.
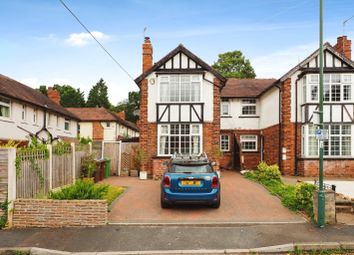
x=179 y=106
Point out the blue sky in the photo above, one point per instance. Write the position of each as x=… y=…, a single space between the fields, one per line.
x=41 y=43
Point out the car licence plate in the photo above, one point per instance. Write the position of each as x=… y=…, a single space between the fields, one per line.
x=190 y=182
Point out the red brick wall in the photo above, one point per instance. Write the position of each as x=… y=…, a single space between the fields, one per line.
x=332 y=167
x=344 y=46
x=226 y=158
x=250 y=159
x=59 y=213
x=54 y=95
x=271 y=144
x=288 y=130
x=97 y=131
x=158 y=168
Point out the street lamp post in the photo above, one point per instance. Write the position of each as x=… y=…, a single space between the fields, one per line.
x=321 y=195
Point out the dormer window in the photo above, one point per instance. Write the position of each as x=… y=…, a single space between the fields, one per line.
x=180 y=88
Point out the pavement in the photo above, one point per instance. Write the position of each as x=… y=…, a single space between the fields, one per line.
x=169 y=238
x=242 y=201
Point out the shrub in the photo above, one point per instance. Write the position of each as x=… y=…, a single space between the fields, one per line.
x=82 y=189
x=304 y=197
x=88 y=166
x=265 y=172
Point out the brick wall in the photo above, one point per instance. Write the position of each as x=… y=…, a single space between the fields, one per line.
x=97 y=131
x=332 y=167
x=288 y=130
x=59 y=213
x=3 y=175
x=226 y=158
x=158 y=168
x=271 y=144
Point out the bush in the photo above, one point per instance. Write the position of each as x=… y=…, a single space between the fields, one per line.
x=88 y=166
x=304 y=197
x=296 y=198
x=265 y=172
x=81 y=190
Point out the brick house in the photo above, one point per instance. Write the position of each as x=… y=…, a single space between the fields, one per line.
x=188 y=107
x=179 y=107
x=100 y=124
x=26 y=113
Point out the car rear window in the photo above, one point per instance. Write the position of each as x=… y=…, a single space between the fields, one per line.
x=191 y=169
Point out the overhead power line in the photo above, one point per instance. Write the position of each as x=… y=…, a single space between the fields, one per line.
x=100 y=44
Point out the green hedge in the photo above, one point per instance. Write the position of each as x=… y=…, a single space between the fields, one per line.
x=296 y=197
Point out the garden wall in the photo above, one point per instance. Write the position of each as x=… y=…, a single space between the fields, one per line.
x=59 y=213
x=3 y=176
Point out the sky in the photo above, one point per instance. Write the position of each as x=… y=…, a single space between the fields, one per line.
x=42 y=44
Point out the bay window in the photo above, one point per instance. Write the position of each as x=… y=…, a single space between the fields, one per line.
x=339 y=143
x=336 y=87
x=179 y=138
x=180 y=88
x=5 y=105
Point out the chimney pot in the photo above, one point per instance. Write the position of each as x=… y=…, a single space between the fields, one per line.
x=147 y=54
x=54 y=95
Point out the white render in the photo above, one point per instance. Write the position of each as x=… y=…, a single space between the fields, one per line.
x=267 y=113
x=10 y=128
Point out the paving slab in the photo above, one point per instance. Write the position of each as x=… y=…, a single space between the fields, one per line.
x=242 y=201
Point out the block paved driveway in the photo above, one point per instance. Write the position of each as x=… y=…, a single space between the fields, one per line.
x=242 y=201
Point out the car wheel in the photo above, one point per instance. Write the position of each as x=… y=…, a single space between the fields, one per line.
x=216 y=204
x=163 y=203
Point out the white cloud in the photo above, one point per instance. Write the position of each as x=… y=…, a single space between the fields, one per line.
x=277 y=63
x=82 y=39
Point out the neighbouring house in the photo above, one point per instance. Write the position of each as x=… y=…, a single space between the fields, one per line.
x=187 y=107
x=100 y=124
x=179 y=107
x=26 y=113
x=249 y=123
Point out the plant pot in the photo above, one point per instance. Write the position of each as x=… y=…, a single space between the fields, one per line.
x=143 y=175
x=124 y=173
x=134 y=173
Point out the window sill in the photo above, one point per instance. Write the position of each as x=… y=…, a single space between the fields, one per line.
x=6 y=120
x=327 y=158
x=225 y=116
x=248 y=116
x=250 y=151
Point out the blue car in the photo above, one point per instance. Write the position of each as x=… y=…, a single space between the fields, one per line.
x=190 y=180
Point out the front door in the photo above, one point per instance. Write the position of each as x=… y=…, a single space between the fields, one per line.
x=236 y=162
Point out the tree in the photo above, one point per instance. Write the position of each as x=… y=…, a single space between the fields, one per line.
x=43 y=89
x=98 y=96
x=233 y=64
x=69 y=96
x=130 y=106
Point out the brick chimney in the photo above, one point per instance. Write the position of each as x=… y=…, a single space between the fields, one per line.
x=121 y=115
x=54 y=95
x=344 y=46
x=147 y=54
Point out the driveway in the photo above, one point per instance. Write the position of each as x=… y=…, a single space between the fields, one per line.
x=242 y=201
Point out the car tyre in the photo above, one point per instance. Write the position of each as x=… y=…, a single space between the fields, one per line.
x=163 y=203
x=216 y=204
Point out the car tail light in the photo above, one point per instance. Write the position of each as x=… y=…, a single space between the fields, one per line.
x=215 y=182
x=166 y=181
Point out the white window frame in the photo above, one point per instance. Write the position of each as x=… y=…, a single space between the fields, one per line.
x=227 y=104
x=67 y=124
x=168 y=134
x=35 y=116
x=244 y=103
x=225 y=140
x=166 y=79
x=5 y=104
x=313 y=81
x=246 y=138
x=306 y=140
x=24 y=112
